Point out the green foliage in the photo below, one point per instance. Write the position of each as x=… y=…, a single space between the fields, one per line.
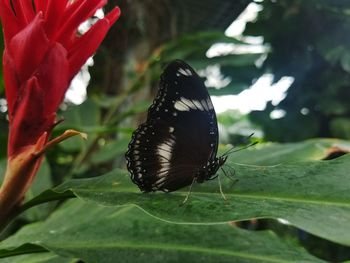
x=43 y=257
x=235 y=127
x=192 y=48
x=309 y=43
x=140 y=238
x=275 y=181
x=297 y=192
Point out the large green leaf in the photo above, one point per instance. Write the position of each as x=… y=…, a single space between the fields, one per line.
x=312 y=195
x=45 y=257
x=277 y=153
x=126 y=234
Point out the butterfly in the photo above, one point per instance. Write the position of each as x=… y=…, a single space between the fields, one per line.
x=177 y=145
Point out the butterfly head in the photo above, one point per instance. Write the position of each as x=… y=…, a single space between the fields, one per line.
x=221 y=160
x=209 y=171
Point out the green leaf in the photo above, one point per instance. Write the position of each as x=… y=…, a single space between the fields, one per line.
x=241 y=74
x=341 y=127
x=238 y=60
x=313 y=195
x=3 y=163
x=277 y=153
x=138 y=107
x=234 y=61
x=45 y=257
x=345 y=61
x=195 y=45
x=41 y=182
x=127 y=234
x=81 y=118
x=232 y=88
x=111 y=151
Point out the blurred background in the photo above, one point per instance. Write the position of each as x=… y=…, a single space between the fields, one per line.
x=278 y=68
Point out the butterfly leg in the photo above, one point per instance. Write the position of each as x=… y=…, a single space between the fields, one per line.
x=231 y=175
x=220 y=187
x=189 y=191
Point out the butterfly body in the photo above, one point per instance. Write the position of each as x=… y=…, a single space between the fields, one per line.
x=178 y=143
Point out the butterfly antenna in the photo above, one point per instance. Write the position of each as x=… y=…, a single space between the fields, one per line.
x=220 y=187
x=230 y=151
x=189 y=191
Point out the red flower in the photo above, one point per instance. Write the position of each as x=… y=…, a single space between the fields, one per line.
x=43 y=52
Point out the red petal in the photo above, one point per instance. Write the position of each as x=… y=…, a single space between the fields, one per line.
x=20 y=172
x=29 y=120
x=11 y=82
x=40 y=5
x=10 y=23
x=113 y=15
x=54 y=15
x=71 y=7
x=52 y=75
x=80 y=15
x=28 y=48
x=86 y=45
x=24 y=11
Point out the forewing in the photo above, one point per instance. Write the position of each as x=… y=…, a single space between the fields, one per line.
x=183 y=102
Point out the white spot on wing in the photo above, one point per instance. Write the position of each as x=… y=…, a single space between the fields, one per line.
x=165 y=150
x=210 y=105
x=198 y=104
x=161 y=180
x=186 y=104
x=171 y=129
x=179 y=105
x=205 y=105
x=189 y=103
x=185 y=71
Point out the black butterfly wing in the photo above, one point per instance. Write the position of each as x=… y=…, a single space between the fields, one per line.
x=150 y=158
x=180 y=136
